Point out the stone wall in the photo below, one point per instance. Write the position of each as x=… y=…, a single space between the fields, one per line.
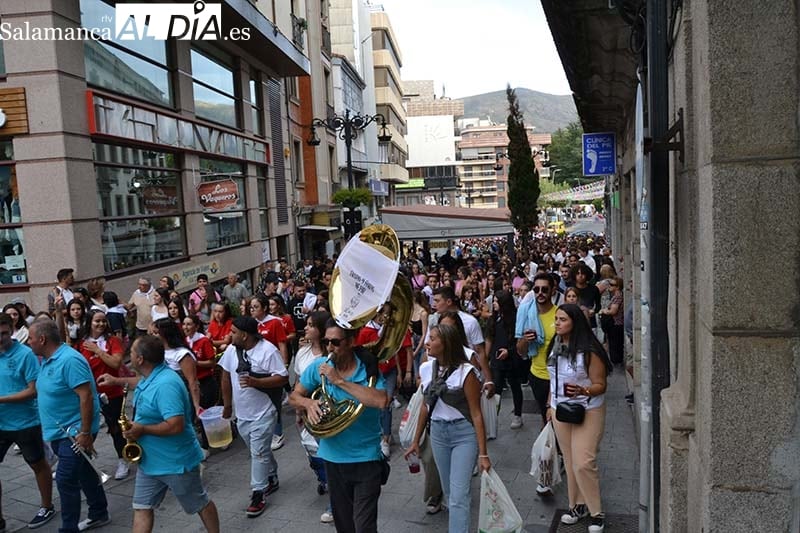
x=730 y=428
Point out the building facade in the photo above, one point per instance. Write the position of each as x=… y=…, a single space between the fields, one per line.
x=483 y=164
x=704 y=197
x=387 y=62
x=166 y=157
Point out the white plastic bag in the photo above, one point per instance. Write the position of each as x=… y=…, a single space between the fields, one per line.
x=308 y=441
x=544 y=458
x=497 y=513
x=489 y=409
x=410 y=420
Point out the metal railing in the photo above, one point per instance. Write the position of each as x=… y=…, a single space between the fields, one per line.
x=326 y=42
x=298 y=29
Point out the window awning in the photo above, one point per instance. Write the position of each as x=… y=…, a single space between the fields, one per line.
x=426 y=222
x=314 y=227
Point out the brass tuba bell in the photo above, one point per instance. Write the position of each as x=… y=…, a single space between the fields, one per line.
x=356 y=295
x=132 y=451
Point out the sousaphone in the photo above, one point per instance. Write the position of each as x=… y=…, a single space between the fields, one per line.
x=365 y=279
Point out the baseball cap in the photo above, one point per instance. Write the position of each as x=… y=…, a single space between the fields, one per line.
x=247 y=324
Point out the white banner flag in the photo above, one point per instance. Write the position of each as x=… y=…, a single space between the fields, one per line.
x=366 y=278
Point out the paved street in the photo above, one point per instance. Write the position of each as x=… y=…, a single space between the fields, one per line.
x=594 y=224
x=297 y=507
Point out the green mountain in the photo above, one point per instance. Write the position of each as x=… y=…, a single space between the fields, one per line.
x=547 y=112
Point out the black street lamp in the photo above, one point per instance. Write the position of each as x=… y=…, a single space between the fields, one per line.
x=347 y=128
x=543 y=152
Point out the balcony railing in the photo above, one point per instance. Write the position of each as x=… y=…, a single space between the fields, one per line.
x=298 y=29
x=326 y=42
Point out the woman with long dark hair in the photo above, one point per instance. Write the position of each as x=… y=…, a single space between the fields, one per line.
x=104 y=353
x=178 y=356
x=578 y=367
x=176 y=311
x=588 y=294
x=205 y=357
x=160 y=301
x=452 y=391
x=501 y=347
x=20 y=332
x=71 y=321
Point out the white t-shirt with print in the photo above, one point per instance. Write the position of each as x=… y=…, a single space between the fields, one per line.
x=442 y=411
x=251 y=403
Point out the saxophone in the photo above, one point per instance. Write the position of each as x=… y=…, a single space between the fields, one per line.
x=131 y=452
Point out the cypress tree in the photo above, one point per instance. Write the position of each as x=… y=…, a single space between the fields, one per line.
x=523 y=178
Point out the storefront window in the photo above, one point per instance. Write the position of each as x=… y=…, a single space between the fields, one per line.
x=140 y=207
x=12 y=244
x=135 y=67
x=222 y=195
x=214 y=93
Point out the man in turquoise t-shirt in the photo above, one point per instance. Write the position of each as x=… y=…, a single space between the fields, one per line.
x=19 y=416
x=353 y=459
x=67 y=399
x=162 y=426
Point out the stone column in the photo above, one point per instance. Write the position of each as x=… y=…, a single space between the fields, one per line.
x=730 y=422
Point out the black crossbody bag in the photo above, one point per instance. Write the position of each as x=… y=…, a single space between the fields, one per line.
x=568 y=412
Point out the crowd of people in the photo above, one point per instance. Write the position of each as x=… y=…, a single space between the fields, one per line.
x=484 y=318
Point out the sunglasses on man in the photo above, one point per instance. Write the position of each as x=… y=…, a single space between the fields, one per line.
x=335 y=342
x=537 y=290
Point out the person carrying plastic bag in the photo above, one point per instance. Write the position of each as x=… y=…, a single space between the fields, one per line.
x=544 y=459
x=497 y=513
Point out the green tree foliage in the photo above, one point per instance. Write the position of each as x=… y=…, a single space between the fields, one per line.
x=565 y=154
x=352 y=197
x=523 y=179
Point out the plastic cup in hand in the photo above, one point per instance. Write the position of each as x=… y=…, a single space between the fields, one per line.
x=242 y=375
x=413 y=463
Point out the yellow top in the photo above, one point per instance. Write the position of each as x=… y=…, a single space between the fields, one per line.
x=539 y=363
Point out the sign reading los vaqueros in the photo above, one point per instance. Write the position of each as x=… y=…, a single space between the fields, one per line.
x=218 y=195
x=160 y=199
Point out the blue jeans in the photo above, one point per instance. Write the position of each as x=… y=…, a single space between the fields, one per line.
x=455 y=450
x=74 y=475
x=390 y=378
x=257 y=434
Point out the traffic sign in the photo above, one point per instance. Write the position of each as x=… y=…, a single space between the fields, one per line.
x=599 y=154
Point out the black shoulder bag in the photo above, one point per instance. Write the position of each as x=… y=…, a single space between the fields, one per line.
x=275 y=393
x=568 y=412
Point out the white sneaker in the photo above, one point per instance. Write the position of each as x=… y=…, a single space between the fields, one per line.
x=543 y=491
x=277 y=442
x=326 y=517
x=385 y=449
x=123 y=469
x=396 y=404
x=516 y=422
x=285 y=400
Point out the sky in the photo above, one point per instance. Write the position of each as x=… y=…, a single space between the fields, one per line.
x=476 y=46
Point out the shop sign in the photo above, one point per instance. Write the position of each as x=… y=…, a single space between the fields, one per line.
x=160 y=199
x=13 y=111
x=219 y=195
x=186 y=277
x=112 y=118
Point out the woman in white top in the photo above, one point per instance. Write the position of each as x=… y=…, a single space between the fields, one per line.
x=311 y=343
x=179 y=357
x=160 y=301
x=457 y=434
x=20 y=326
x=578 y=367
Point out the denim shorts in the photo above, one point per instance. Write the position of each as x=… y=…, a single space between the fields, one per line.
x=188 y=489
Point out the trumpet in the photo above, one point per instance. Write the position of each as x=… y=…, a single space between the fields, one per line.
x=132 y=451
x=78 y=449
